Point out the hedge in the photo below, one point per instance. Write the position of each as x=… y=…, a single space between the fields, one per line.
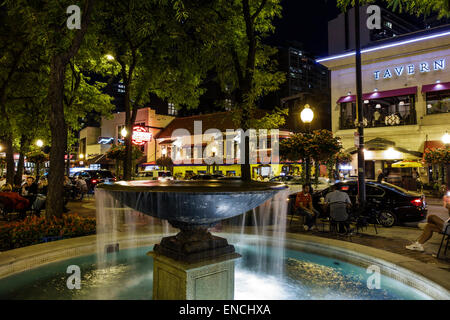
x=34 y=230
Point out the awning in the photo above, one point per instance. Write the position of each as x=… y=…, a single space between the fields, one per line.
x=436 y=87
x=380 y=94
x=407 y=164
x=166 y=142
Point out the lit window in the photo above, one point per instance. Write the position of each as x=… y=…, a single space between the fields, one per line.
x=171 y=109
x=438 y=102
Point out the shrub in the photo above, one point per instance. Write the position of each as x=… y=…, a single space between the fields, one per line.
x=34 y=230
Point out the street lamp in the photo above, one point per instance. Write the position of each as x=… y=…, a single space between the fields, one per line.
x=81 y=156
x=307 y=116
x=446 y=138
x=124 y=132
x=39 y=143
x=109 y=57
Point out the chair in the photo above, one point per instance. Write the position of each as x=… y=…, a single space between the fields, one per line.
x=446 y=233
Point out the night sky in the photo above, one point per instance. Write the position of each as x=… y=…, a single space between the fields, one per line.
x=306 y=21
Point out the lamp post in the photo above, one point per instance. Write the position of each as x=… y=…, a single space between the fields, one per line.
x=446 y=141
x=124 y=132
x=360 y=111
x=39 y=144
x=307 y=116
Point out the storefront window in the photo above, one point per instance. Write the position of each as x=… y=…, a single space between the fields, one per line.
x=438 y=102
x=384 y=112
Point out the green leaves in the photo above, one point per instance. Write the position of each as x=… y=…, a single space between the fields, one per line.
x=319 y=145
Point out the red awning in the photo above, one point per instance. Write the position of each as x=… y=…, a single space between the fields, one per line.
x=380 y=94
x=166 y=142
x=436 y=87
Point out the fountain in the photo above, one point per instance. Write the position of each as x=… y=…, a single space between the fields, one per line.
x=194 y=264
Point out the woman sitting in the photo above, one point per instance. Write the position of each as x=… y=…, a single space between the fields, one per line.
x=12 y=201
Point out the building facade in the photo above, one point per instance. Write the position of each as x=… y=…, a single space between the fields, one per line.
x=95 y=142
x=406 y=94
x=210 y=143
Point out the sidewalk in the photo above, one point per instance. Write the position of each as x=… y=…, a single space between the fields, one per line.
x=392 y=239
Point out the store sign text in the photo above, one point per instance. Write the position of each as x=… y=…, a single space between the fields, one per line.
x=410 y=69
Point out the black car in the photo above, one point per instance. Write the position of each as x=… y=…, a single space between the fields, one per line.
x=94 y=177
x=392 y=203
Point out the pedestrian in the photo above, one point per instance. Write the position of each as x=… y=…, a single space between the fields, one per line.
x=81 y=187
x=304 y=207
x=381 y=176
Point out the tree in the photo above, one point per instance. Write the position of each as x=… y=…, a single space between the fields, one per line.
x=46 y=21
x=418 y=7
x=15 y=48
x=149 y=46
x=439 y=157
x=320 y=145
x=118 y=153
x=165 y=162
x=234 y=31
x=38 y=158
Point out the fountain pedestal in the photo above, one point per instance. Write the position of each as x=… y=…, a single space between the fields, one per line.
x=211 y=279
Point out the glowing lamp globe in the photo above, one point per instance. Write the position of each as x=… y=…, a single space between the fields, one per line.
x=39 y=143
x=446 y=138
x=307 y=115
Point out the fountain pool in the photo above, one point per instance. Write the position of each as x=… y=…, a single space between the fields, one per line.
x=128 y=274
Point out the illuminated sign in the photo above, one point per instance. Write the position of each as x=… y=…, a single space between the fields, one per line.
x=105 y=140
x=382 y=47
x=140 y=135
x=409 y=69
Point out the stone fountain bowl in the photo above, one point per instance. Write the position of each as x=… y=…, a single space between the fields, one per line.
x=192 y=203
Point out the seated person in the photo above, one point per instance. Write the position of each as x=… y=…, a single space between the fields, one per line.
x=339 y=202
x=304 y=207
x=29 y=188
x=12 y=201
x=434 y=224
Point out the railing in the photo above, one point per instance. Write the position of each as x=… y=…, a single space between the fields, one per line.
x=390 y=120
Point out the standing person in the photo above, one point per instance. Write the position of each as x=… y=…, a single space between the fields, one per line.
x=81 y=187
x=304 y=207
x=381 y=176
x=339 y=202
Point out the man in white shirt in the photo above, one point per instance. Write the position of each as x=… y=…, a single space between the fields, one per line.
x=339 y=202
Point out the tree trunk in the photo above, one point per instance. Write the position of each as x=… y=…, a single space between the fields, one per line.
x=10 y=165
x=58 y=127
x=24 y=144
x=19 y=172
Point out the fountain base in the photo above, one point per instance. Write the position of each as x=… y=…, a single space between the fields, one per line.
x=207 y=280
x=193 y=244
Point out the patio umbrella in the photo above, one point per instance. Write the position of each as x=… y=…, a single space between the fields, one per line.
x=407 y=164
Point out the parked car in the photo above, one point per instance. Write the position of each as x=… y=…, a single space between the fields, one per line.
x=391 y=203
x=94 y=177
x=160 y=175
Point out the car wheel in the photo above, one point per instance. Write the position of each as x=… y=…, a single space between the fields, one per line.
x=386 y=218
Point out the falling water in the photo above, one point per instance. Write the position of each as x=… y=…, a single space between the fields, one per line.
x=119 y=226
x=265 y=228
